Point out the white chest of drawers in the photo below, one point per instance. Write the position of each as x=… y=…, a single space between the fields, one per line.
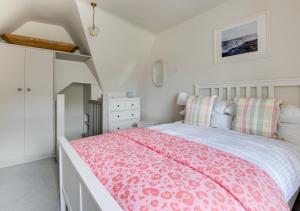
x=122 y=113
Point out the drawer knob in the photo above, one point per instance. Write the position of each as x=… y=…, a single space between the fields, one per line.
x=118 y=106
x=118 y=116
x=132 y=105
x=132 y=114
x=118 y=128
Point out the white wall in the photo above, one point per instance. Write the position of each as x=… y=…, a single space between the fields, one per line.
x=188 y=52
x=69 y=77
x=44 y=31
x=74 y=111
x=119 y=51
x=67 y=72
x=73 y=79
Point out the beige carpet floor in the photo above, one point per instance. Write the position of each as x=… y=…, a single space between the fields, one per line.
x=30 y=187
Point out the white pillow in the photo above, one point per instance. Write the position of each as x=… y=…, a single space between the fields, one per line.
x=222 y=115
x=223 y=121
x=224 y=107
x=289 y=128
x=290 y=133
x=290 y=114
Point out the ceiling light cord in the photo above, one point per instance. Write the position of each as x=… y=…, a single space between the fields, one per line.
x=93 y=29
x=94 y=5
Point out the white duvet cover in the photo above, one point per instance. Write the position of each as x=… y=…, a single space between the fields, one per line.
x=281 y=160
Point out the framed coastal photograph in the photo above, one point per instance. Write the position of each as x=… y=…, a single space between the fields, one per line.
x=246 y=39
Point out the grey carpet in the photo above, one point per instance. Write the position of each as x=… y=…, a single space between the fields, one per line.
x=30 y=187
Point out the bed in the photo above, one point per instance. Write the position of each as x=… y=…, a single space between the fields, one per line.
x=86 y=165
x=274 y=157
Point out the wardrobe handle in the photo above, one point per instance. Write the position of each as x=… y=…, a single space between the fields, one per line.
x=20 y=89
x=28 y=90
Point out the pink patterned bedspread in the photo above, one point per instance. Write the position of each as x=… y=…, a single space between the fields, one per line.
x=144 y=169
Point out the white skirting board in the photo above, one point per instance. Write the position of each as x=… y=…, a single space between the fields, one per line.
x=22 y=160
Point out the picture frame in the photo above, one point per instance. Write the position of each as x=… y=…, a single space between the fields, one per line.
x=246 y=39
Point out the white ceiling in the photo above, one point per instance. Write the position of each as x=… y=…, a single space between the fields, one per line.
x=157 y=15
x=153 y=15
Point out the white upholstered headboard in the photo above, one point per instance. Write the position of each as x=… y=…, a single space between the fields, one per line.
x=285 y=89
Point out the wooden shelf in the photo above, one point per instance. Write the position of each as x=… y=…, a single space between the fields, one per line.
x=39 y=43
x=72 y=56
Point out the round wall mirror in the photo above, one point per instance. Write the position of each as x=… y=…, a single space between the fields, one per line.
x=158 y=73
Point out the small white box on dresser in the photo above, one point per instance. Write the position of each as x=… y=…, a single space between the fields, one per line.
x=120 y=113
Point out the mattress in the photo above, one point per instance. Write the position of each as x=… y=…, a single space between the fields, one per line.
x=280 y=159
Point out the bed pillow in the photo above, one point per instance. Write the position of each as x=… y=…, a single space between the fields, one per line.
x=224 y=107
x=289 y=132
x=290 y=114
x=199 y=111
x=222 y=115
x=257 y=116
x=289 y=128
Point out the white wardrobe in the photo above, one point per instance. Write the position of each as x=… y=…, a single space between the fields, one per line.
x=26 y=104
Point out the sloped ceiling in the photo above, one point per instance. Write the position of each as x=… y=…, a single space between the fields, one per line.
x=15 y=13
x=122 y=48
x=153 y=15
x=158 y=15
x=119 y=52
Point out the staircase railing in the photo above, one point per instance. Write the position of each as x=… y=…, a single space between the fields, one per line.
x=95 y=118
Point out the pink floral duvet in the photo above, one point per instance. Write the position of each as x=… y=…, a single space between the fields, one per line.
x=147 y=170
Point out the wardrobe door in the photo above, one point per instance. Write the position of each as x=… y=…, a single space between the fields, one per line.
x=39 y=104
x=11 y=102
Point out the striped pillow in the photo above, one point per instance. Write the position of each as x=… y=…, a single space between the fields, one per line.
x=199 y=111
x=257 y=116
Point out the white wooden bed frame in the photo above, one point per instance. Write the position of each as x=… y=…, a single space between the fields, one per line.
x=80 y=190
x=257 y=89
